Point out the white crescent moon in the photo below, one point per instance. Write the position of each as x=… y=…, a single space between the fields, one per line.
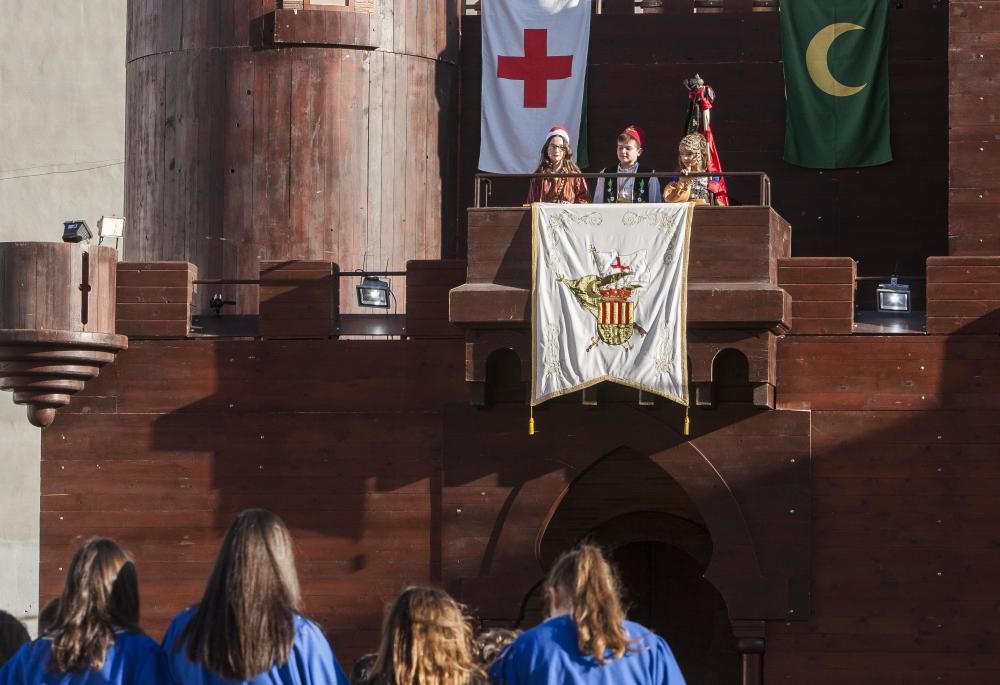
x=819 y=68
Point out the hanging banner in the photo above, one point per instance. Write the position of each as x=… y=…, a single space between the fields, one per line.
x=836 y=82
x=534 y=72
x=609 y=298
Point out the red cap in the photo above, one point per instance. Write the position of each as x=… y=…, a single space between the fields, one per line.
x=635 y=132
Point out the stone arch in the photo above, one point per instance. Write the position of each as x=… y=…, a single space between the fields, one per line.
x=517 y=564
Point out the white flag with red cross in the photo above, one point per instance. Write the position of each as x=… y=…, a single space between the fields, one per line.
x=534 y=70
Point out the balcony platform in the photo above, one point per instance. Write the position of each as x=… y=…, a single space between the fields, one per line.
x=734 y=298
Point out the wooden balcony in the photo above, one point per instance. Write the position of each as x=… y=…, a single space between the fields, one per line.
x=735 y=301
x=732 y=277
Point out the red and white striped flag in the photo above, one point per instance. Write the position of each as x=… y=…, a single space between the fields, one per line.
x=534 y=69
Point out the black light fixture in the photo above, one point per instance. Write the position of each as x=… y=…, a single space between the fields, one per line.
x=76 y=231
x=373 y=292
x=893 y=296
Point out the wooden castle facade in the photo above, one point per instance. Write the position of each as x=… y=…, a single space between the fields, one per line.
x=832 y=516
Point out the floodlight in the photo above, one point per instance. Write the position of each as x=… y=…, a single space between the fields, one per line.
x=110 y=227
x=893 y=296
x=76 y=231
x=373 y=292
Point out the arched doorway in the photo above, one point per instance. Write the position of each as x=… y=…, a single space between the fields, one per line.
x=664 y=590
x=661 y=545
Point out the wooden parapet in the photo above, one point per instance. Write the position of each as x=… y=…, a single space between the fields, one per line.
x=296 y=299
x=963 y=295
x=822 y=290
x=427 y=285
x=154 y=299
x=731 y=275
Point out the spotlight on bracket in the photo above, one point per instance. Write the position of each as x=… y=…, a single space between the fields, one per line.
x=893 y=296
x=373 y=292
x=76 y=231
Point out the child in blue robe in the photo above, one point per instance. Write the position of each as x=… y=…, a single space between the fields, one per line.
x=94 y=638
x=248 y=627
x=587 y=641
x=132 y=658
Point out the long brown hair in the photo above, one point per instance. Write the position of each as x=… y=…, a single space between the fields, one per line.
x=426 y=640
x=101 y=594
x=588 y=585
x=245 y=623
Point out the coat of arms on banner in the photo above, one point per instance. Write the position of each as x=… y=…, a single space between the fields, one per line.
x=609 y=293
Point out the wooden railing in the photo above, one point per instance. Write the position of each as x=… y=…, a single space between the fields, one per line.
x=484 y=182
x=655 y=6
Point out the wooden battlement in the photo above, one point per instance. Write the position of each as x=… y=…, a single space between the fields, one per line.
x=732 y=276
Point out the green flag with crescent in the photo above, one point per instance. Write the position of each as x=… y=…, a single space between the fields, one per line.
x=836 y=82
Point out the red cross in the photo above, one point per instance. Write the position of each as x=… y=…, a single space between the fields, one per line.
x=617 y=264
x=536 y=68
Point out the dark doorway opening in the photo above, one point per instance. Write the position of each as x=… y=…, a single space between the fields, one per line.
x=665 y=591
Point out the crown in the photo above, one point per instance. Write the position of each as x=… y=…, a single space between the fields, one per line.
x=616 y=293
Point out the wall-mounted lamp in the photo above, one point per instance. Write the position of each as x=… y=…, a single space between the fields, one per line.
x=373 y=292
x=893 y=296
x=76 y=231
x=111 y=227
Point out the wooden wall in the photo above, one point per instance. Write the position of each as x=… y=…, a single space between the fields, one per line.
x=973 y=96
x=881 y=215
x=886 y=487
x=241 y=148
x=905 y=510
x=342 y=439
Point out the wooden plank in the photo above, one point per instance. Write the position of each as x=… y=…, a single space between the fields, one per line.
x=964 y=261
x=154 y=329
x=322 y=27
x=154 y=279
x=155 y=266
x=807 y=275
x=961 y=308
x=963 y=291
x=144 y=156
x=945 y=325
x=822 y=292
x=963 y=274
x=152 y=312
x=272 y=229
x=822 y=310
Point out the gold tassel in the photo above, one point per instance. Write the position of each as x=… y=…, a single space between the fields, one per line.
x=687 y=422
x=531 y=420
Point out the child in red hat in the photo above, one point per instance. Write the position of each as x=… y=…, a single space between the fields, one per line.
x=628 y=188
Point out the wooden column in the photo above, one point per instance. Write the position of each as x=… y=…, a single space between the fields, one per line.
x=257 y=133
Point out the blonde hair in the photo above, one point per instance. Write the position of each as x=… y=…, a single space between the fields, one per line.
x=100 y=595
x=426 y=640
x=245 y=623
x=696 y=143
x=490 y=644
x=589 y=587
